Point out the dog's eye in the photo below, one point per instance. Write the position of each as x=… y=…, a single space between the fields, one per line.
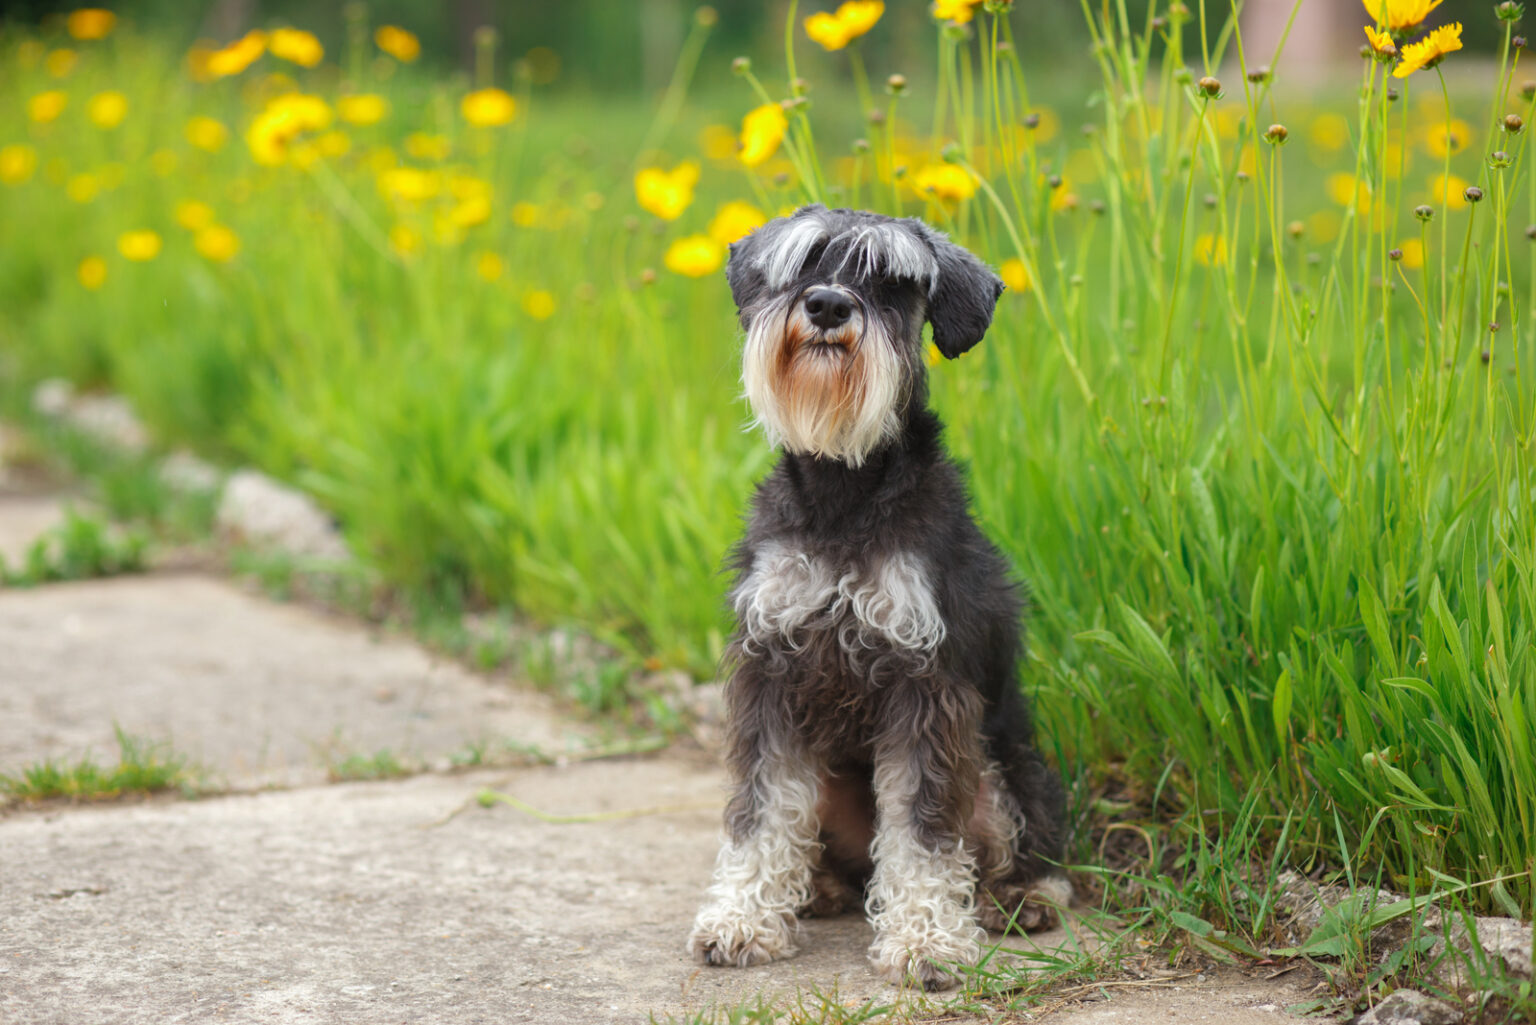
x=813 y=258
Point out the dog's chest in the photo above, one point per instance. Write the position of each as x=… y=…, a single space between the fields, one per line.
x=793 y=597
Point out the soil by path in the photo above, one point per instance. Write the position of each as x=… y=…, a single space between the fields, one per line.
x=399 y=901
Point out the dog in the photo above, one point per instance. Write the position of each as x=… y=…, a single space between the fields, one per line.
x=877 y=741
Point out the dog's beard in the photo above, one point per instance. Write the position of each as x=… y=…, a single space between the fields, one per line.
x=833 y=394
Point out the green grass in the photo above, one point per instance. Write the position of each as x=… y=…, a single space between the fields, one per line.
x=80 y=548
x=382 y=764
x=142 y=768
x=1274 y=503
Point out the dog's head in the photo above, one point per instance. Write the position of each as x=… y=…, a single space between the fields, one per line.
x=833 y=302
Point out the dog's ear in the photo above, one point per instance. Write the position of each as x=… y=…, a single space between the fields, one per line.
x=962 y=297
x=743 y=270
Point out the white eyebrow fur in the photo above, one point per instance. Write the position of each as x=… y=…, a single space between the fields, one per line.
x=871 y=247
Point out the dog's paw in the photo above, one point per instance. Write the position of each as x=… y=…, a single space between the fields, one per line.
x=1029 y=908
x=737 y=941
x=933 y=963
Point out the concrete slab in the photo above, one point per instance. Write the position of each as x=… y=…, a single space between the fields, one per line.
x=257 y=692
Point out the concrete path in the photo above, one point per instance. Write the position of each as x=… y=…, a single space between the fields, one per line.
x=398 y=901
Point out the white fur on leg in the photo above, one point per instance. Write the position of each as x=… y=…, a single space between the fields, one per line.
x=749 y=916
x=922 y=899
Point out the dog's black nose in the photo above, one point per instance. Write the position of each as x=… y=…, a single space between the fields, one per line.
x=828 y=308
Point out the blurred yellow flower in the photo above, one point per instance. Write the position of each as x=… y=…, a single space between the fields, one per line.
x=107 y=110
x=735 y=220
x=194 y=214
x=46 y=107
x=90 y=23
x=955 y=10
x=285 y=118
x=206 y=134
x=470 y=212
x=945 y=182
x=717 y=142
x=1328 y=131
x=397 y=42
x=1322 y=227
x=1429 y=51
x=694 y=256
x=851 y=20
x=539 y=304
x=489 y=265
x=931 y=355
x=92 y=272
x=362 y=108
x=404 y=240
x=1014 y=274
x=1413 y=253
x=334 y=144
x=761 y=132
x=28 y=53
x=237 y=56
x=423 y=146
x=60 y=62
x=140 y=246
x=525 y=214
x=82 y=188
x=1443 y=139
x=666 y=193
x=411 y=184
x=1347 y=190
x=1400 y=15
x=1210 y=250
x=17 y=162
x=217 y=243
x=296 y=46
x=488 y=107
x=1449 y=191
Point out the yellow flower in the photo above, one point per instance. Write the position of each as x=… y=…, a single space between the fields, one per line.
x=526 y=215
x=17 y=162
x=470 y=211
x=852 y=20
x=1381 y=43
x=46 y=107
x=945 y=181
x=90 y=23
x=489 y=265
x=82 y=188
x=404 y=240
x=666 y=193
x=1328 y=131
x=761 y=132
x=1400 y=16
x=194 y=214
x=1210 y=250
x=694 y=256
x=164 y=162
x=206 y=134
x=107 y=110
x=397 y=42
x=334 y=144
x=717 y=142
x=362 y=108
x=424 y=146
x=1413 y=253
x=1449 y=191
x=410 y=184
x=735 y=220
x=217 y=243
x=296 y=46
x=539 y=304
x=1347 y=190
x=488 y=107
x=960 y=11
x=60 y=62
x=237 y=56
x=278 y=126
x=1442 y=139
x=1014 y=275
x=139 y=246
x=92 y=272
x=1429 y=51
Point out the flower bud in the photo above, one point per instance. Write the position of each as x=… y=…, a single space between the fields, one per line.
x=1510 y=11
x=1159 y=23
x=1499 y=159
x=1241 y=177
x=1031 y=120
x=861 y=146
x=741 y=65
x=1260 y=74
x=1277 y=134
x=706 y=16
x=1183 y=76
x=1513 y=123
x=896 y=85
x=1473 y=194
x=1517 y=43
x=1097 y=206
x=1210 y=88
x=781 y=179
x=1424 y=212
x=1178 y=12
x=1295 y=229
x=951 y=153
x=1528 y=90
x=1209 y=200
x=1392 y=95
x=1394 y=255
x=799 y=87
x=1530 y=232
x=648 y=276
x=877 y=118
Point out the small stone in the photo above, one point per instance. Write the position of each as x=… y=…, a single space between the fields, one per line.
x=1410 y=1007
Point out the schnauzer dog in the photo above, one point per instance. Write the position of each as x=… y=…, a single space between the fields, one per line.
x=879 y=746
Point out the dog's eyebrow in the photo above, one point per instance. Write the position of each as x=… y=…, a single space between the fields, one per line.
x=784 y=255
x=873 y=247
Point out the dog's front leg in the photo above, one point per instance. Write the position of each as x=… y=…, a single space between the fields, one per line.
x=922 y=897
x=763 y=873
